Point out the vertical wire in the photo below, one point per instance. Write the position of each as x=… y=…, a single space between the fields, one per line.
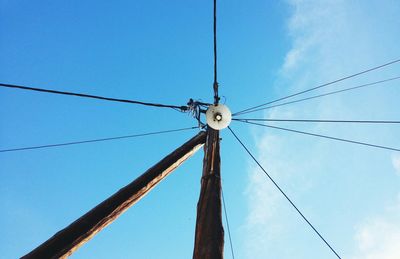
x=215 y=84
x=227 y=223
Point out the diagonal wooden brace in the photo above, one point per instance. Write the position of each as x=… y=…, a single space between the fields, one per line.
x=66 y=241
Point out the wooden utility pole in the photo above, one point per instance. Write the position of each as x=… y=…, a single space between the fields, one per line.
x=66 y=241
x=209 y=237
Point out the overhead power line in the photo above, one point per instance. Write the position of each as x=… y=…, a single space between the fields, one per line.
x=321 y=86
x=323 y=136
x=181 y=108
x=320 y=95
x=227 y=223
x=215 y=40
x=284 y=194
x=215 y=84
x=322 y=121
x=94 y=140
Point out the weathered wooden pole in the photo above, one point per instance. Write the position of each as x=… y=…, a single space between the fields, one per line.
x=66 y=241
x=209 y=237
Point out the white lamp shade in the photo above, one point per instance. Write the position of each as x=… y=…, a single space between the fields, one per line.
x=218 y=116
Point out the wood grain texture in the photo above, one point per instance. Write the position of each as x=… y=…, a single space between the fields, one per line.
x=209 y=237
x=66 y=241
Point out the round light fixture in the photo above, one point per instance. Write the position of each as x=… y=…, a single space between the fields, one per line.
x=218 y=116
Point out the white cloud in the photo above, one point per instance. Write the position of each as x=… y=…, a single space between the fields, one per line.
x=330 y=39
x=396 y=163
x=379 y=237
x=292 y=58
x=262 y=203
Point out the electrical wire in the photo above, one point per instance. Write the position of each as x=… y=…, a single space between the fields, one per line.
x=284 y=194
x=227 y=223
x=215 y=84
x=320 y=95
x=322 y=121
x=180 y=108
x=321 y=86
x=215 y=40
x=94 y=140
x=324 y=136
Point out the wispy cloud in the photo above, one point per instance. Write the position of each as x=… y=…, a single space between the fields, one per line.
x=262 y=203
x=330 y=39
x=379 y=237
x=396 y=163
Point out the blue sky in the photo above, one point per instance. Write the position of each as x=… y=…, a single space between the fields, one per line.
x=161 y=51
